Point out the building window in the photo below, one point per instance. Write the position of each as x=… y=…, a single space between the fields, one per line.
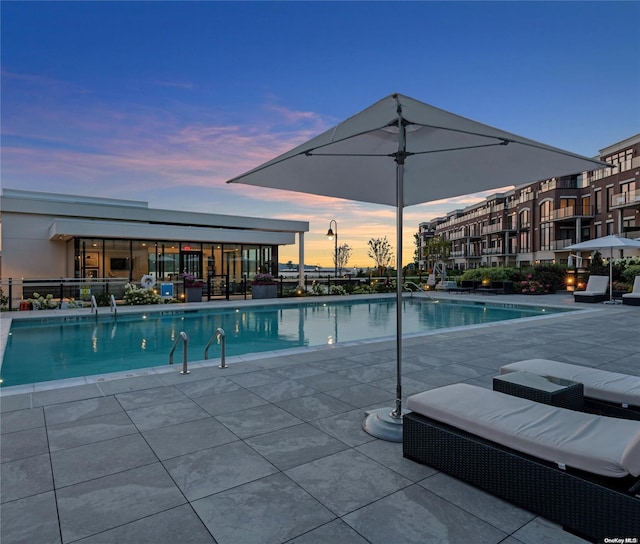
x=598 y=199
x=598 y=229
x=609 y=227
x=545 y=211
x=609 y=197
x=628 y=224
x=545 y=236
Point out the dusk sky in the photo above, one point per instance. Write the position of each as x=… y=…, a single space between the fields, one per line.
x=165 y=101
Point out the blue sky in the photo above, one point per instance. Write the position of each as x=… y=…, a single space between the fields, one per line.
x=165 y=101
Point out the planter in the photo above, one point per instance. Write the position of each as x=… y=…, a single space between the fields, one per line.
x=264 y=291
x=193 y=294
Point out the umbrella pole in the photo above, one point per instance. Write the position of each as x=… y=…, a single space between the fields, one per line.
x=383 y=423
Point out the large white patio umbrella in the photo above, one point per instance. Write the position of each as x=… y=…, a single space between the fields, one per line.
x=400 y=152
x=610 y=242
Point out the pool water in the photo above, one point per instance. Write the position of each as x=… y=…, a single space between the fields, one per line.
x=51 y=349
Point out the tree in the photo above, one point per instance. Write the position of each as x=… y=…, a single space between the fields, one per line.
x=416 y=251
x=341 y=258
x=437 y=250
x=380 y=252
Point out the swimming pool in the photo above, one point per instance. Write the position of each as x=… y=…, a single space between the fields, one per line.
x=39 y=350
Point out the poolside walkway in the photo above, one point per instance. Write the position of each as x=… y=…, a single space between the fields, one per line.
x=271 y=450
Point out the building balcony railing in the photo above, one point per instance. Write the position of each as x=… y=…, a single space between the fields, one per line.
x=498 y=227
x=457 y=235
x=492 y=251
x=572 y=212
x=625 y=200
x=559 y=184
x=457 y=253
x=524 y=225
x=562 y=244
x=524 y=197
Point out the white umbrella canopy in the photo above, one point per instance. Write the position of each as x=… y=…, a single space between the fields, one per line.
x=402 y=152
x=449 y=156
x=609 y=242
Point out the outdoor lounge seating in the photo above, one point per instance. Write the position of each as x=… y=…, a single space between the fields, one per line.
x=581 y=471
x=633 y=298
x=596 y=290
x=606 y=393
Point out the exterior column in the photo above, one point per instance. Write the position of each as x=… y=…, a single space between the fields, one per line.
x=301 y=259
x=578 y=230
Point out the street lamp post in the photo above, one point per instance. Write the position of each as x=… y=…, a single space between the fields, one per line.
x=333 y=235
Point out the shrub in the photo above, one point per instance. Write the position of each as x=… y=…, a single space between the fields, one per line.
x=135 y=295
x=550 y=275
x=363 y=289
x=337 y=290
x=317 y=288
x=491 y=274
x=38 y=302
x=4 y=300
x=630 y=272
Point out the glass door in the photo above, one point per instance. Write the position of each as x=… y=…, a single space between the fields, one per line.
x=191 y=263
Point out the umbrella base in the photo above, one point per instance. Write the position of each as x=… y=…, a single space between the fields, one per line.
x=381 y=424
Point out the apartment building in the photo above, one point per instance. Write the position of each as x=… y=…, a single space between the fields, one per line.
x=535 y=223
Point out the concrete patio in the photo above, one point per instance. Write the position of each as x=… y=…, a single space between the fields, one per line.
x=271 y=450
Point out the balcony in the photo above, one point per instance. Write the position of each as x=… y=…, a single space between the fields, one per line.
x=497 y=227
x=559 y=184
x=496 y=251
x=572 y=212
x=630 y=199
x=559 y=245
x=457 y=235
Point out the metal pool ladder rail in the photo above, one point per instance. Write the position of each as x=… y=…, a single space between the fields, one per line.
x=112 y=303
x=185 y=339
x=94 y=305
x=219 y=334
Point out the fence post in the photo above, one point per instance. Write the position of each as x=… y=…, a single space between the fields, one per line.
x=281 y=285
x=61 y=290
x=10 y=292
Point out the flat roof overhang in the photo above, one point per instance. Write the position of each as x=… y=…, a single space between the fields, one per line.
x=66 y=229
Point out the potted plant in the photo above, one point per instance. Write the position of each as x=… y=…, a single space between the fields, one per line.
x=192 y=288
x=619 y=288
x=264 y=286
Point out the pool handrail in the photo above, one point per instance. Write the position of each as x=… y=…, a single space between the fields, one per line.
x=185 y=338
x=219 y=334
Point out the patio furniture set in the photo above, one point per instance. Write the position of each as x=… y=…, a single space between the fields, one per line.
x=560 y=440
x=598 y=290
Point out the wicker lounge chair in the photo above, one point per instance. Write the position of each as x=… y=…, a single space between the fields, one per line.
x=596 y=290
x=506 y=446
x=633 y=298
x=606 y=393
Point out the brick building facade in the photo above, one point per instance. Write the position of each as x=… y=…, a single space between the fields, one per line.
x=535 y=223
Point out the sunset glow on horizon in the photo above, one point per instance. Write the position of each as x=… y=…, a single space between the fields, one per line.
x=165 y=101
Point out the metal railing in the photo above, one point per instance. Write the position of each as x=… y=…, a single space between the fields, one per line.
x=222 y=337
x=62 y=289
x=185 y=339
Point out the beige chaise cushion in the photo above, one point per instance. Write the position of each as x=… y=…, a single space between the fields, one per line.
x=598 y=384
x=596 y=444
